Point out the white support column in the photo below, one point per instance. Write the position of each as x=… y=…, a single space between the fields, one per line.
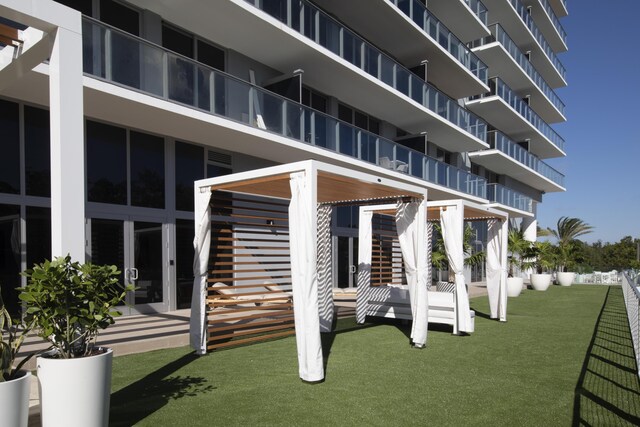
x=530 y=229
x=67 y=145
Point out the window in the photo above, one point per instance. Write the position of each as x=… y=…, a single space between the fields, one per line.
x=189 y=168
x=147 y=170
x=358 y=119
x=120 y=16
x=313 y=99
x=347 y=216
x=184 y=262
x=177 y=41
x=10 y=256
x=10 y=159
x=83 y=6
x=37 y=152
x=38 y=235
x=211 y=55
x=106 y=163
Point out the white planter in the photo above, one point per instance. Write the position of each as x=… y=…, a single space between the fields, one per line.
x=565 y=278
x=14 y=401
x=540 y=282
x=514 y=286
x=75 y=392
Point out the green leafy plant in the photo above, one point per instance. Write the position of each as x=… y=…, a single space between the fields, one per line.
x=519 y=251
x=69 y=303
x=439 y=256
x=15 y=333
x=544 y=255
x=566 y=232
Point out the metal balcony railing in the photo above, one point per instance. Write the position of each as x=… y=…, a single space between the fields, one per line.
x=479 y=9
x=324 y=30
x=498 y=193
x=120 y=58
x=554 y=19
x=499 y=141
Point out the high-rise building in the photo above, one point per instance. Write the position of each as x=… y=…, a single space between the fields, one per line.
x=109 y=110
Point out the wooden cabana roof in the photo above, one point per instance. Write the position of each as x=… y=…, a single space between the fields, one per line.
x=472 y=211
x=334 y=184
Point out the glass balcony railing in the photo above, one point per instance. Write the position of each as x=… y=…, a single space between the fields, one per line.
x=498 y=193
x=500 y=35
x=418 y=13
x=499 y=141
x=117 y=57
x=554 y=18
x=500 y=89
x=330 y=34
x=537 y=34
x=479 y=9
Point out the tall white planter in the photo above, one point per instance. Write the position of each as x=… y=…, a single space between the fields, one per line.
x=75 y=392
x=514 y=286
x=14 y=401
x=540 y=282
x=565 y=278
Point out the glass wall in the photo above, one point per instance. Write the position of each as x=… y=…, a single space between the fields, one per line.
x=10 y=131
x=37 y=152
x=10 y=256
x=106 y=163
x=189 y=168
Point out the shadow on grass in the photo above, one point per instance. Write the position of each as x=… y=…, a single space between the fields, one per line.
x=140 y=399
x=608 y=389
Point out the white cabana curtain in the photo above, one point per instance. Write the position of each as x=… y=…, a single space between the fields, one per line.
x=202 y=246
x=411 y=221
x=365 y=240
x=452 y=223
x=325 y=291
x=495 y=269
x=303 y=241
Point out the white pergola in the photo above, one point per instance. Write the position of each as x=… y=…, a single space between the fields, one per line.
x=308 y=185
x=452 y=214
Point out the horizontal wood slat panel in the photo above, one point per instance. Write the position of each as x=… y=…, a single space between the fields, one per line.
x=249 y=340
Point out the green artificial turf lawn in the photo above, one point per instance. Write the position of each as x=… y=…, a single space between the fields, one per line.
x=564 y=357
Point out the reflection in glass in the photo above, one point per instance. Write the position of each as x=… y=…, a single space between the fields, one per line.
x=147 y=170
x=37 y=151
x=189 y=168
x=10 y=159
x=106 y=163
x=10 y=256
x=148 y=261
x=184 y=262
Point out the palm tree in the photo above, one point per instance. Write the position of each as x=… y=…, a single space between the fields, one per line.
x=519 y=249
x=566 y=232
x=439 y=257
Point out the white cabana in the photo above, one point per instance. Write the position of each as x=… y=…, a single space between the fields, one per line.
x=452 y=214
x=307 y=185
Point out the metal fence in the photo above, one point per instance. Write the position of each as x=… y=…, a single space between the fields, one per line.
x=632 y=302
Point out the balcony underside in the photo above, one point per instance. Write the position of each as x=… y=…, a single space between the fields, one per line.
x=513 y=212
x=124 y=107
x=459 y=19
x=503 y=65
x=323 y=70
x=502 y=12
x=498 y=113
x=499 y=162
x=545 y=24
x=559 y=8
x=390 y=29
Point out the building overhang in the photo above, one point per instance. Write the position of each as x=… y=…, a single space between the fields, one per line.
x=502 y=64
x=501 y=115
x=499 y=162
x=461 y=20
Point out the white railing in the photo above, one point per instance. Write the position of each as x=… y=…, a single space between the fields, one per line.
x=632 y=302
x=599 y=277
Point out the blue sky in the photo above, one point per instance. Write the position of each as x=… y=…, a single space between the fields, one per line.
x=602 y=134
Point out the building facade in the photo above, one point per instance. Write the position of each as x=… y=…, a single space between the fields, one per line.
x=110 y=110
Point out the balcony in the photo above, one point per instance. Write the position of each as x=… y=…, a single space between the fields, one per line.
x=498 y=193
x=517 y=21
x=508 y=158
x=505 y=110
x=124 y=60
x=559 y=7
x=507 y=61
x=467 y=19
x=548 y=22
x=407 y=30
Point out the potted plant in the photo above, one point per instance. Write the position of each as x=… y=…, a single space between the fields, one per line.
x=518 y=249
x=544 y=257
x=15 y=383
x=566 y=232
x=69 y=303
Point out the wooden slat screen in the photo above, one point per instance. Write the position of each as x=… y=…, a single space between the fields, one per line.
x=249 y=251
x=386 y=258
